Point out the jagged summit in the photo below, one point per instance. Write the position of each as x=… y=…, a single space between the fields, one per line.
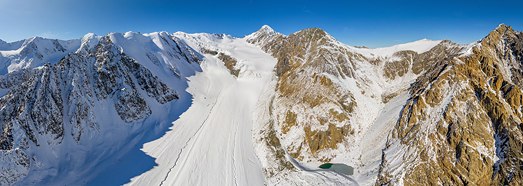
x=499 y=32
x=88 y=36
x=313 y=35
x=309 y=31
x=503 y=26
x=263 y=36
x=266 y=35
x=266 y=29
x=88 y=41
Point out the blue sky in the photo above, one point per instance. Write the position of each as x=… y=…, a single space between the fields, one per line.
x=371 y=23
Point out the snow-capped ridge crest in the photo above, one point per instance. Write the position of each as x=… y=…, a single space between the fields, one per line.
x=159 y=34
x=266 y=29
x=33 y=39
x=418 y=46
x=88 y=36
x=313 y=30
x=130 y=80
x=315 y=34
x=263 y=32
x=89 y=41
x=32 y=42
x=263 y=36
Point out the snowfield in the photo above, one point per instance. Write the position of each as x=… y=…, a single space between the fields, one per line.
x=211 y=143
x=418 y=46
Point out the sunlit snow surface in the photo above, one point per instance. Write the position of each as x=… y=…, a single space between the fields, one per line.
x=419 y=46
x=211 y=143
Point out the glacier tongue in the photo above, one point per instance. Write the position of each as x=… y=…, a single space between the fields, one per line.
x=211 y=143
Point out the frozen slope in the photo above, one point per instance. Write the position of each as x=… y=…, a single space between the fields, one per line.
x=419 y=46
x=211 y=143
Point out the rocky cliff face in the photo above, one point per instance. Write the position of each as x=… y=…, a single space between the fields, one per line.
x=462 y=124
x=309 y=122
x=304 y=68
x=68 y=104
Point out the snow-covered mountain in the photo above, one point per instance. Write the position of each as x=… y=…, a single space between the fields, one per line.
x=60 y=118
x=212 y=109
x=33 y=52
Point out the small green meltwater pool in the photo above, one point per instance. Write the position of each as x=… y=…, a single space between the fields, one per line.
x=338 y=167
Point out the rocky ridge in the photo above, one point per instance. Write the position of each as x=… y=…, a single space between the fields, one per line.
x=462 y=124
x=64 y=102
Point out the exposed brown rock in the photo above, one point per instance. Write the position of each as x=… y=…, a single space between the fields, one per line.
x=306 y=62
x=478 y=141
x=230 y=63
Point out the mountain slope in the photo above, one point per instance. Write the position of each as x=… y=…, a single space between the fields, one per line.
x=91 y=99
x=462 y=125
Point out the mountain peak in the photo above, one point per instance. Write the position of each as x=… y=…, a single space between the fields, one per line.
x=313 y=30
x=88 y=36
x=265 y=30
x=262 y=35
x=88 y=41
x=503 y=26
x=313 y=33
x=33 y=40
x=500 y=32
